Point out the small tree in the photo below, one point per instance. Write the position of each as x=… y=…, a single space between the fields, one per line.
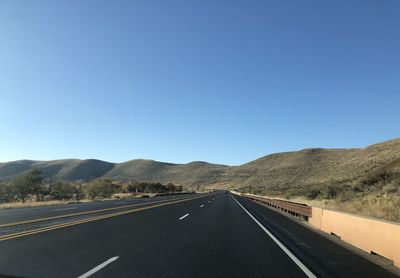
x=132 y=187
x=34 y=181
x=100 y=189
x=62 y=191
x=171 y=187
x=6 y=193
x=21 y=188
x=78 y=192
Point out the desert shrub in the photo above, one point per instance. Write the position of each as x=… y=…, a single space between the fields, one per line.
x=346 y=195
x=21 y=188
x=395 y=182
x=34 y=180
x=381 y=177
x=132 y=187
x=78 y=192
x=62 y=191
x=99 y=189
x=6 y=193
x=171 y=187
x=357 y=188
x=28 y=184
x=295 y=192
x=388 y=189
x=151 y=187
x=313 y=193
x=118 y=187
x=329 y=192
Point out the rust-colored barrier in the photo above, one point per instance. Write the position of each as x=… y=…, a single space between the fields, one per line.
x=295 y=209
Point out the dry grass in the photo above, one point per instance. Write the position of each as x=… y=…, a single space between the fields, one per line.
x=313 y=167
x=381 y=206
x=131 y=195
x=29 y=204
x=32 y=203
x=360 y=181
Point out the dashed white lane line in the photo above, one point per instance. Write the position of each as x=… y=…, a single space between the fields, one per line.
x=202 y=206
x=65 y=209
x=97 y=268
x=283 y=247
x=186 y=215
x=209 y=201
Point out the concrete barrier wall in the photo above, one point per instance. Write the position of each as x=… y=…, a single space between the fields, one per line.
x=370 y=235
x=380 y=237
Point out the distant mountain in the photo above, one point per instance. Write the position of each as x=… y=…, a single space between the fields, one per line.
x=70 y=170
x=65 y=170
x=309 y=167
x=191 y=174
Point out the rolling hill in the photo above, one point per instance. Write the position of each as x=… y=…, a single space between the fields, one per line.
x=281 y=171
x=316 y=167
x=65 y=170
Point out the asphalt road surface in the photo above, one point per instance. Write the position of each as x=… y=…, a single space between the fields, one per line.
x=21 y=214
x=200 y=235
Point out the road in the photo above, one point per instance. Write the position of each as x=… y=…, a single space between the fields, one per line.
x=208 y=235
x=21 y=214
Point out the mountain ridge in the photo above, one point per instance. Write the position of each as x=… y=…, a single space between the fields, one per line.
x=307 y=167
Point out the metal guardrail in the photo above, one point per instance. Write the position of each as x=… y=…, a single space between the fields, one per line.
x=295 y=209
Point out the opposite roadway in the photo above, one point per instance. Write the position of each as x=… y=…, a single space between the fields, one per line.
x=199 y=235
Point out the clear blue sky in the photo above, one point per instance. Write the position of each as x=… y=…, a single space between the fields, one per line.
x=221 y=81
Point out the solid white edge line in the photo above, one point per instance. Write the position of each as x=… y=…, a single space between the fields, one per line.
x=187 y=214
x=290 y=254
x=97 y=268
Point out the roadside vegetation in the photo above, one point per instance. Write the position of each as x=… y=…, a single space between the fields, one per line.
x=376 y=194
x=33 y=189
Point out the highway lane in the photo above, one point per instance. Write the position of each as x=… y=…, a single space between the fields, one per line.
x=23 y=214
x=321 y=255
x=211 y=236
x=16 y=229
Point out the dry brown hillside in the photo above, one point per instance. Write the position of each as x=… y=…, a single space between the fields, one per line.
x=313 y=167
x=364 y=180
x=191 y=175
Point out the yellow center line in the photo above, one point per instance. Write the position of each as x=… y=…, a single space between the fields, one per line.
x=92 y=219
x=30 y=221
